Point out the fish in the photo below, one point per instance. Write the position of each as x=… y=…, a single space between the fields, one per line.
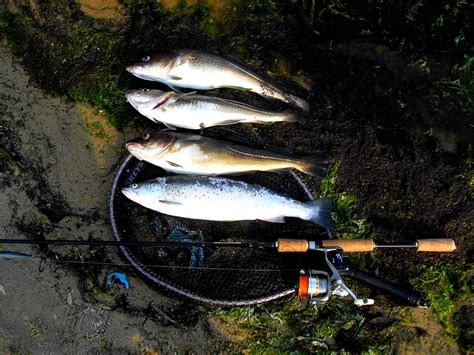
x=221 y=199
x=193 y=111
x=193 y=69
x=194 y=154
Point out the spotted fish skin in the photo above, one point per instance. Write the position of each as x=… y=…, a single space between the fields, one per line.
x=221 y=199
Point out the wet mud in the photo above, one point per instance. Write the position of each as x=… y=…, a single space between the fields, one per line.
x=60 y=190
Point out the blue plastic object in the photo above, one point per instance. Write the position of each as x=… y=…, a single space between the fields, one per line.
x=117 y=276
x=13 y=254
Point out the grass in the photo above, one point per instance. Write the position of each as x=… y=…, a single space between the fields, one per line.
x=349 y=224
x=295 y=326
x=14 y=166
x=80 y=62
x=298 y=327
x=447 y=287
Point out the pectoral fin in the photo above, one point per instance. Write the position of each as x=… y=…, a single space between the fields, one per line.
x=185 y=94
x=174 y=164
x=170 y=202
x=276 y=219
x=174 y=77
x=170 y=126
x=174 y=88
x=229 y=122
x=238 y=88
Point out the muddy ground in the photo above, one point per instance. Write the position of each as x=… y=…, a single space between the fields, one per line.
x=401 y=141
x=60 y=191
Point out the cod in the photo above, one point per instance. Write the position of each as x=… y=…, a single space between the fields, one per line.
x=192 y=111
x=199 y=155
x=187 y=68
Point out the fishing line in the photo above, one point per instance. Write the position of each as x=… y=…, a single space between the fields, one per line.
x=205 y=268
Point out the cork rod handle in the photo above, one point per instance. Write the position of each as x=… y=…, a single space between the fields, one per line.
x=292 y=245
x=350 y=245
x=436 y=245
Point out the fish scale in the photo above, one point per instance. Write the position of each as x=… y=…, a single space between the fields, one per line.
x=192 y=111
x=199 y=70
x=221 y=199
x=198 y=155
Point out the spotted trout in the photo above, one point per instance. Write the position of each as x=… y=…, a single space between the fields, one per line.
x=198 y=70
x=198 y=155
x=220 y=199
x=192 y=111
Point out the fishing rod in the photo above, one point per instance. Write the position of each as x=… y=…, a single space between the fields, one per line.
x=316 y=285
x=282 y=245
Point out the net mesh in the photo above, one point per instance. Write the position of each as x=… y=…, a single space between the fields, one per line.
x=228 y=276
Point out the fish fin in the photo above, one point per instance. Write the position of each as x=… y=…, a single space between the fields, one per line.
x=321 y=212
x=238 y=88
x=230 y=122
x=292 y=116
x=240 y=140
x=276 y=219
x=242 y=150
x=174 y=77
x=185 y=94
x=174 y=88
x=164 y=99
x=315 y=165
x=170 y=202
x=300 y=103
x=168 y=125
x=289 y=152
x=174 y=164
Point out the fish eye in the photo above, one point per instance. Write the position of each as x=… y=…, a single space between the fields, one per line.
x=134 y=186
x=146 y=136
x=146 y=58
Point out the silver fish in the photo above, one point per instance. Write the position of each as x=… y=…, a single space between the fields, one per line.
x=193 y=111
x=220 y=199
x=198 y=70
x=198 y=155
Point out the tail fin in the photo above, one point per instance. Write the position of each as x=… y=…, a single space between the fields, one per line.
x=314 y=165
x=321 y=212
x=297 y=102
x=292 y=116
x=270 y=90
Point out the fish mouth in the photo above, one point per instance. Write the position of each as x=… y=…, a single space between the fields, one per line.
x=129 y=94
x=139 y=71
x=134 y=146
x=131 y=68
x=129 y=193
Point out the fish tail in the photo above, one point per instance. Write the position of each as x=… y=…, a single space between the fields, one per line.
x=314 y=165
x=292 y=116
x=320 y=212
x=275 y=93
x=298 y=102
